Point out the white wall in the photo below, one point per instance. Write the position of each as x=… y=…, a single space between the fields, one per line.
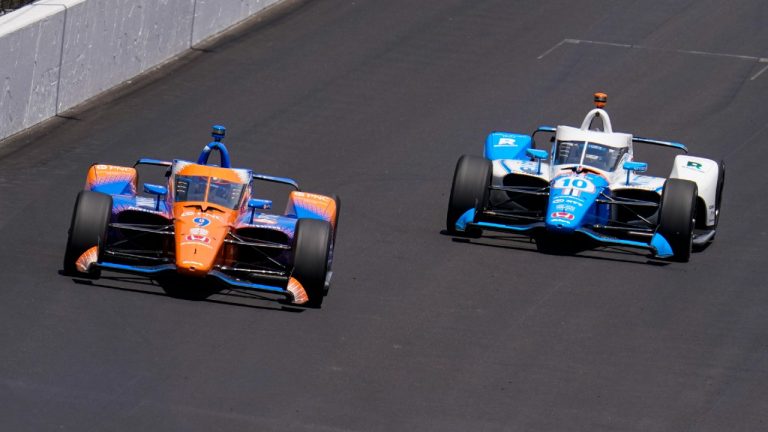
x=30 y=48
x=56 y=54
x=213 y=16
x=109 y=41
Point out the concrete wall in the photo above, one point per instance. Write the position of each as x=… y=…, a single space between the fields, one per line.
x=109 y=41
x=30 y=49
x=56 y=54
x=213 y=16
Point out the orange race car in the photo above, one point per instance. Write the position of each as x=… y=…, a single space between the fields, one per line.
x=204 y=224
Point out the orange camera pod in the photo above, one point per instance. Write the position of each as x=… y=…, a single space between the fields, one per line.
x=601 y=99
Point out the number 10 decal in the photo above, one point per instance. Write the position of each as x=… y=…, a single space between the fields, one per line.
x=574 y=186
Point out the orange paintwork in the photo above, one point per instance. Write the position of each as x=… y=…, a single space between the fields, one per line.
x=601 y=99
x=210 y=171
x=202 y=227
x=299 y=293
x=320 y=204
x=100 y=174
x=85 y=260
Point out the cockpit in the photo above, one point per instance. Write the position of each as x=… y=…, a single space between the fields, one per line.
x=590 y=154
x=208 y=189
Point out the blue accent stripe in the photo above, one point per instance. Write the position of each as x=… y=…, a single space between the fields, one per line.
x=463 y=220
x=517 y=228
x=305 y=213
x=506 y=167
x=137 y=269
x=215 y=145
x=611 y=240
x=673 y=144
x=661 y=246
x=150 y=161
x=248 y=285
x=219 y=275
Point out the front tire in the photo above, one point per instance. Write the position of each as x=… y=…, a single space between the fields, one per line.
x=311 y=249
x=88 y=228
x=677 y=216
x=469 y=190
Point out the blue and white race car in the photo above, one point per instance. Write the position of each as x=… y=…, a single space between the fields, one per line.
x=590 y=187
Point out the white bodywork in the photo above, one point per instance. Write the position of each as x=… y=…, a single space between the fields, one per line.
x=704 y=172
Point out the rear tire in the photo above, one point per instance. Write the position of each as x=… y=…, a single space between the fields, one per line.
x=677 y=216
x=469 y=190
x=311 y=252
x=88 y=228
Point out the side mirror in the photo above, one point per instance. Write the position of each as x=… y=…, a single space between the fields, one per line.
x=537 y=154
x=159 y=191
x=260 y=204
x=637 y=167
x=155 y=189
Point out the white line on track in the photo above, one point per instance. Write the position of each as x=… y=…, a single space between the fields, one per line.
x=762 y=60
x=553 y=48
x=643 y=47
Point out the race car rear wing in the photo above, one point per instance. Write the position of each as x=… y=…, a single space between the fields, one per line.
x=273 y=179
x=156 y=162
x=548 y=129
x=672 y=144
x=636 y=139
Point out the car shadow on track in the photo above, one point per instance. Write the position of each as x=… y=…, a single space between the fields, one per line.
x=527 y=244
x=151 y=287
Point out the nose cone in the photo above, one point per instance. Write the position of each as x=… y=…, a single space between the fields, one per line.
x=571 y=201
x=199 y=237
x=563 y=221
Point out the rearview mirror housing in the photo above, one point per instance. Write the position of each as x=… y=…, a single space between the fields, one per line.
x=259 y=204
x=537 y=153
x=155 y=189
x=632 y=166
x=635 y=166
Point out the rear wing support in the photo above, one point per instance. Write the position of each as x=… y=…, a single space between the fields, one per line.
x=547 y=129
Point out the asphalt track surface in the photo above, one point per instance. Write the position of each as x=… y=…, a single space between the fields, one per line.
x=375 y=101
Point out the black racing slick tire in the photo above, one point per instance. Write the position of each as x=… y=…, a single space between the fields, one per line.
x=88 y=228
x=311 y=249
x=677 y=216
x=469 y=190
